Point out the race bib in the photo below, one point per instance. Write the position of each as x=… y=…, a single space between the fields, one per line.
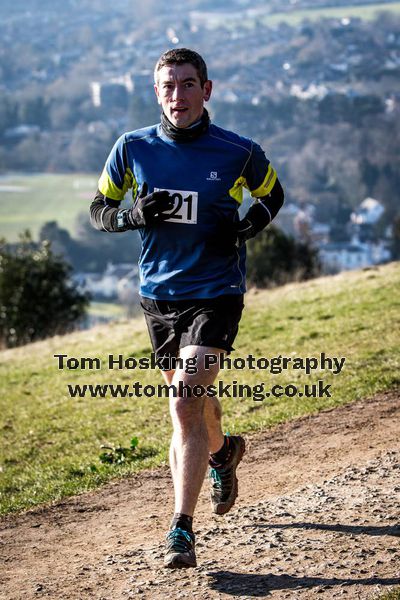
x=185 y=206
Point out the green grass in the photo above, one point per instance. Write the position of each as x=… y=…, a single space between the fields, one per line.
x=51 y=442
x=294 y=17
x=367 y=12
x=35 y=199
x=107 y=309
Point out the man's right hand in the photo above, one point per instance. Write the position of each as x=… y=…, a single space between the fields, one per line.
x=149 y=208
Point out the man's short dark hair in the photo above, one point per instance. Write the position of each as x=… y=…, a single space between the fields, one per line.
x=180 y=56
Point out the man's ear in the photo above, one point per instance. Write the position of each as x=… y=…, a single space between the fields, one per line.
x=207 y=89
x=157 y=94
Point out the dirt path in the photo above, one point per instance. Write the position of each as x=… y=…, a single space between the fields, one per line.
x=317 y=517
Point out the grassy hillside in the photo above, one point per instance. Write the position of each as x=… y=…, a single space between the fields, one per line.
x=51 y=442
x=29 y=201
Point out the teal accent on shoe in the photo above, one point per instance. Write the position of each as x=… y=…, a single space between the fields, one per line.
x=175 y=536
x=224 y=483
x=179 y=549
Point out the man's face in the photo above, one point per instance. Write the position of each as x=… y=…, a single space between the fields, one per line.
x=180 y=93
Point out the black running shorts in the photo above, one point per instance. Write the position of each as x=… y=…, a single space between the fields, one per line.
x=212 y=322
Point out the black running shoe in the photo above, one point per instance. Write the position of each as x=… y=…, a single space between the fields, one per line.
x=179 y=549
x=224 y=483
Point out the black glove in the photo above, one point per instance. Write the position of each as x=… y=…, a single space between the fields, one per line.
x=147 y=209
x=230 y=237
x=238 y=233
x=245 y=231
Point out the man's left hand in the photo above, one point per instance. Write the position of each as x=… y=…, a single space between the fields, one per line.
x=230 y=237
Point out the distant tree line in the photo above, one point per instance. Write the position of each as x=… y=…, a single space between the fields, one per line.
x=91 y=250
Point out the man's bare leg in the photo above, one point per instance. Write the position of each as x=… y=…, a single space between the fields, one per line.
x=168 y=376
x=190 y=443
x=197 y=433
x=213 y=416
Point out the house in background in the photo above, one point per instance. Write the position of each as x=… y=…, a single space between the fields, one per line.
x=118 y=282
x=363 y=247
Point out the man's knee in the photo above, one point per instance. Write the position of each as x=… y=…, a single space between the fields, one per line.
x=188 y=412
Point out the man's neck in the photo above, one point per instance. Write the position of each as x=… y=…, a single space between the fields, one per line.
x=185 y=134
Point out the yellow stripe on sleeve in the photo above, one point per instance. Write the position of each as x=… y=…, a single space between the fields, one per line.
x=266 y=185
x=236 y=191
x=109 y=189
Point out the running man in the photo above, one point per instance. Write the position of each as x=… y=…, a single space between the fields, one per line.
x=187 y=177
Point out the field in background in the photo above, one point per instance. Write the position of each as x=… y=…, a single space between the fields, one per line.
x=367 y=12
x=107 y=310
x=51 y=442
x=29 y=201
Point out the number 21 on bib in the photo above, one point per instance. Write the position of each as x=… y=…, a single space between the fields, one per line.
x=185 y=206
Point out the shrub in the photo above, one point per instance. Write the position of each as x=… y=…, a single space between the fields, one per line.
x=37 y=298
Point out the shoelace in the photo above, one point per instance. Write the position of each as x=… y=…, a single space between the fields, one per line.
x=179 y=540
x=220 y=477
